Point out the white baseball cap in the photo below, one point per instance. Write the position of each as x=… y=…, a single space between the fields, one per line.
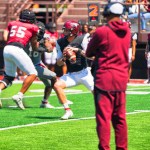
x=114 y=8
x=117 y=8
x=120 y=1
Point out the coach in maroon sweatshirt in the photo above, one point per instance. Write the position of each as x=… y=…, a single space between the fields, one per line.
x=110 y=45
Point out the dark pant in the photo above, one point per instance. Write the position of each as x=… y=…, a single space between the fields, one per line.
x=111 y=107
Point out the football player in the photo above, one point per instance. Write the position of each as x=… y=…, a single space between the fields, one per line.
x=45 y=75
x=21 y=32
x=78 y=73
x=49 y=59
x=132 y=52
x=147 y=56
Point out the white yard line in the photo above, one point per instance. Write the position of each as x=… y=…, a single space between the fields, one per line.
x=78 y=92
x=60 y=121
x=51 y=95
x=138 y=88
x=137 y=92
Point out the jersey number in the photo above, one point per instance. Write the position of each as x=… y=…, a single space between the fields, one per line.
x=18 y=32
x=33 y=54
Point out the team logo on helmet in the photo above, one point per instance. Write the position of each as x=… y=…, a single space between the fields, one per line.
x=72 y=27
x=27 y=16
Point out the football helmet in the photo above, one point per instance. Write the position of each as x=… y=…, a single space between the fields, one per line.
x=27 y=15
x=72 y=27
x=51 y=26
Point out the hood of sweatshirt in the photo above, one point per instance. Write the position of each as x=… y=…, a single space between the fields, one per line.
x=119 y=27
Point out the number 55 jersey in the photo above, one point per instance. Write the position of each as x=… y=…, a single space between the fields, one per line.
x=20 y=33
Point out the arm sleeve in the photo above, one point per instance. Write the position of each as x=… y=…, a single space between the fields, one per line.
x=59 y=52
x=35 y=30
x=134 y=37
x=85 y=41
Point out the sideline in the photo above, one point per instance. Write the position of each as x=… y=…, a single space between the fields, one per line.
x=60 y=121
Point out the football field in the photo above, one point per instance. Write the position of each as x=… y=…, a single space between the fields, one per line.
x=41 y=129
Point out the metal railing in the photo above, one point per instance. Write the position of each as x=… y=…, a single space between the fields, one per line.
x=11 y=9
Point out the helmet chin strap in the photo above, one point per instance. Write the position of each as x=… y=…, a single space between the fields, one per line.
x=69 y=34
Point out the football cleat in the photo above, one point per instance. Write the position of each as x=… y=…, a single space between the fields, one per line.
x=46 y=105
x=18 y=100
x=68 y=114
x=147 y=81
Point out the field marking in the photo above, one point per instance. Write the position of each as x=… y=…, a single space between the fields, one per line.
x=8 y=98
x=142 y=110
x=127 y=92
x=139 y=88
x=137 y=92
x=138 y=84
x=40 y=82
x=66 y=91
x=60 y=121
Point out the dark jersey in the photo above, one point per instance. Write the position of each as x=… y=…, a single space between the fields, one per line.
x=81 y=61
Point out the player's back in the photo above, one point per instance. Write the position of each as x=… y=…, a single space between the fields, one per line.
x=21 y=32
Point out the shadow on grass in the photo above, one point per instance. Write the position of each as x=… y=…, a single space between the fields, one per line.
x=43 y=117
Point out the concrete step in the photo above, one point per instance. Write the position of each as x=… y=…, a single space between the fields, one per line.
x=83 y=4
x=59 y=26
x=78 y=11
x=3 y=25
x=3 y=8
x=2 y=4
x=74 y=17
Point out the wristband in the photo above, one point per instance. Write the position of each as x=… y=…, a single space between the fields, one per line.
x=79 y=50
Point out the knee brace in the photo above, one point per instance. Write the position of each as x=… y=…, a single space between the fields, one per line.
x=7 y=80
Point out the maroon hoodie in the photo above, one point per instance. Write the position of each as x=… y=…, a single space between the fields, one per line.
x=110 y=46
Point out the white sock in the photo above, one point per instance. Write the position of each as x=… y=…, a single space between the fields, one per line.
x=20 y=93
x=44 y=100
x=66 y=106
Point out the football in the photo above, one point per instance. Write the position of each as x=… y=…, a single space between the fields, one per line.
x=71 y=56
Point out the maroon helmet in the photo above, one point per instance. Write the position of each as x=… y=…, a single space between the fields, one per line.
x=72 y=27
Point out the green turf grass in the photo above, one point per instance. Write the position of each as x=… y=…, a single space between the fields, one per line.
x=69 y=135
